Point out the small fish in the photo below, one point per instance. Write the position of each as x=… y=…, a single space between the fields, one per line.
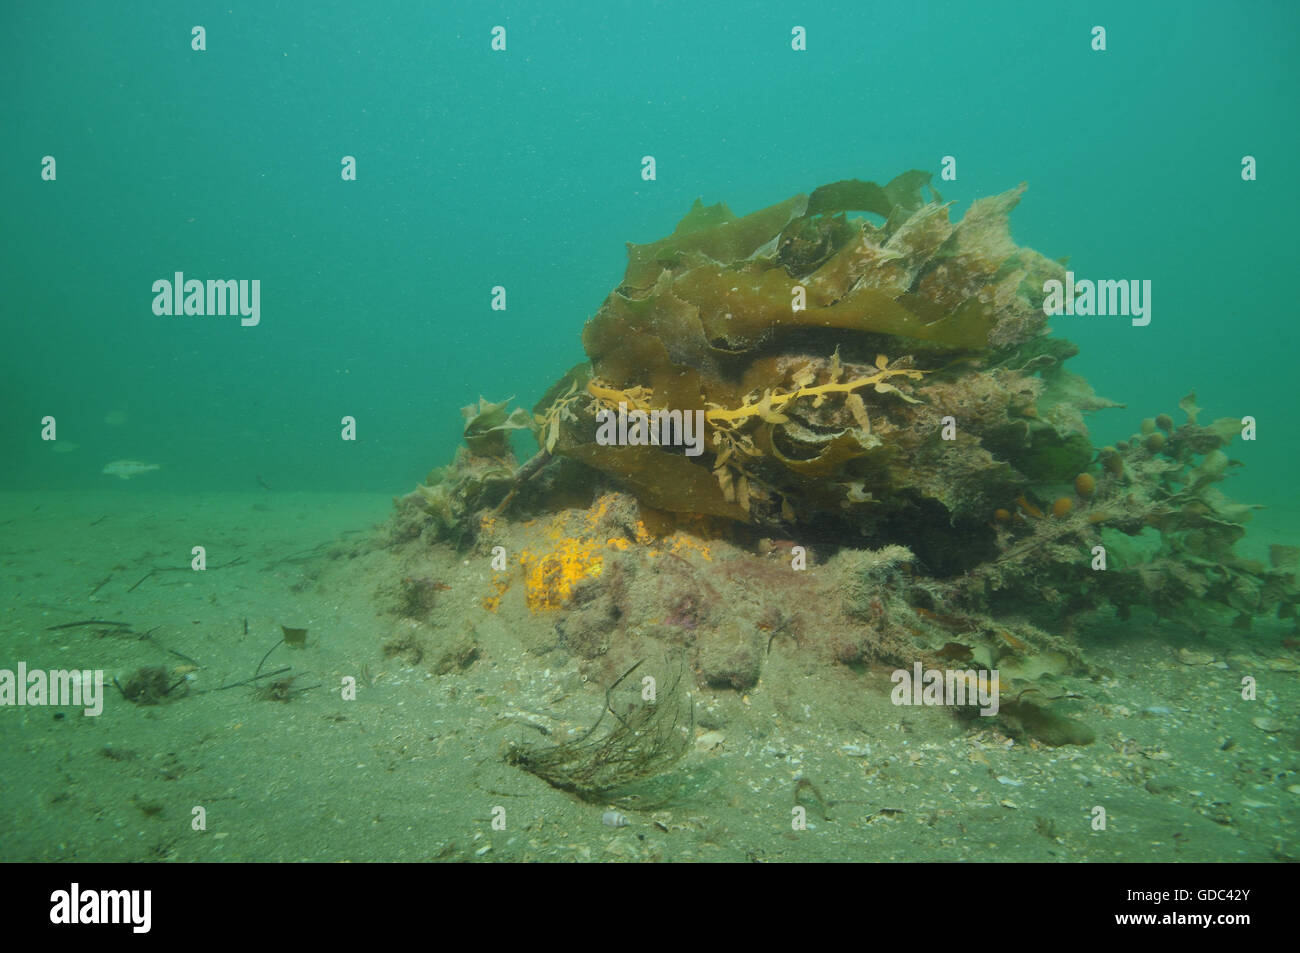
x=125 y=469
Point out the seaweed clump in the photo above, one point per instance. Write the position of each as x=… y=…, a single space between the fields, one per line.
x=1151 y=508
x=825 y=353
x=282 y=690
x=868 y=381
x=648 y=738
x=481 y=476
x=154 y=685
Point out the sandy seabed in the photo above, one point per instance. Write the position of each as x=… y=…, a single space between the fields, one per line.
x=413 y=768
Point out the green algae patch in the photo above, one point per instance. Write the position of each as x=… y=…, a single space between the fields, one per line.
x=713 y=232
x=487 y=426
x=902 y=193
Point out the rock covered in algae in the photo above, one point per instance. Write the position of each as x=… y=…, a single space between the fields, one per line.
x=827 y=353
x=885 y=384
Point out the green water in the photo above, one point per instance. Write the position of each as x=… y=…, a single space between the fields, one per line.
x=522 y=169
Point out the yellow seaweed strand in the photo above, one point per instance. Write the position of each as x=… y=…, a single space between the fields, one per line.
x=768 y=407
x=775 y=401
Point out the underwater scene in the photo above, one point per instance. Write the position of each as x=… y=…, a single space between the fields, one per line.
x=677 y=432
